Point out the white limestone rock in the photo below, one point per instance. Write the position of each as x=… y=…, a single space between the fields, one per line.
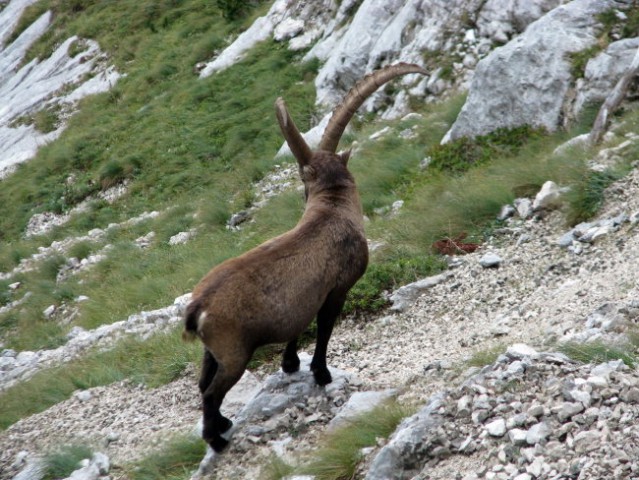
x=531 y=73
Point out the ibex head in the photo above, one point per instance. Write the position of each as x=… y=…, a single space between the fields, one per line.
x=342 y=114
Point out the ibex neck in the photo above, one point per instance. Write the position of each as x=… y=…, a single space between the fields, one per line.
x=335 y=202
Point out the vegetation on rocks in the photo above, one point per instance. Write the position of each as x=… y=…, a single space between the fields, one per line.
x=61 y=462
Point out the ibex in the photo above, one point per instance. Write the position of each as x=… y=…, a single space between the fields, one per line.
x=271 y=293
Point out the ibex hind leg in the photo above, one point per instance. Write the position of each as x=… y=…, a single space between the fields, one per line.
x=290 y=360
x=227 y=375
x=325 y=321
x=209 y=368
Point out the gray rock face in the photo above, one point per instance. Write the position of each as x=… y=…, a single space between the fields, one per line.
x=603 y=72
x=403 y=297
x=499 y=20
x=409 y=445
x=532 y=72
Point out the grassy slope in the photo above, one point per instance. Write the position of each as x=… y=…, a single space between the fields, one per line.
x=191 y=146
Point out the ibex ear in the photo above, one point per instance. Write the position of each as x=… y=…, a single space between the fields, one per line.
x=345 y=156
x=308 y=173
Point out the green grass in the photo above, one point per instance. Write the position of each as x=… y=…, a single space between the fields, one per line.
x=386 y=274
x=154 y=362
x=61 y=462
x=176 y=459
x=339 y=453
x=588 y=195
x=462 y=154
x=276 y=469
x=181 y=142
x=599 y=352
x=483 y=357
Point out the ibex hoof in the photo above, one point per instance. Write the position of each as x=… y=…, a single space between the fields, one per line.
x=224 y=424
x=322 y=376
x=218 y=443
x=290 y=365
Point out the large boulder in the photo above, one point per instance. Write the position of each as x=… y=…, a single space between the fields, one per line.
x=527 y=81
x=604 y=71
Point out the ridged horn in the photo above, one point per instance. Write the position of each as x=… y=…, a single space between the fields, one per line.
x=357 y=95
x=292 y=135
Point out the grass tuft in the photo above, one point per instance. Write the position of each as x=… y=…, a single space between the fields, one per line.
x=587 y=196
x=599 y=352
x=176 y=459
x=481 y=358
x=340 y=453
x=60 y=463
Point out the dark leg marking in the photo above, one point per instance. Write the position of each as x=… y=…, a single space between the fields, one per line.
x=209 y=368
x=290 y=360
x=325 y=322
x=214 y=422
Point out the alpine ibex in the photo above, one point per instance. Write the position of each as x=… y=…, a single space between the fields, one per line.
x=271 y=293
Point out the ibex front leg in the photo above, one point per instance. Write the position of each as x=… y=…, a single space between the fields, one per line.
x=325 y=321
x=290 y=360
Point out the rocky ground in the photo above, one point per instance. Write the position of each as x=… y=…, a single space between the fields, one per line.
x=529 y=415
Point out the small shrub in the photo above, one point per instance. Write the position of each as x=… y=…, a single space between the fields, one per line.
x=234 y=9
x=462 y=154
x=5 y=293
x=111 y=174
x=81 y=250
x=368 y=294
x=579 y=60
x=51 y=266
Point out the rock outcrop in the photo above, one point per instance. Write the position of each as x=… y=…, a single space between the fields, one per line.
x=532 y=73
x=531 y=69
x=56 y=83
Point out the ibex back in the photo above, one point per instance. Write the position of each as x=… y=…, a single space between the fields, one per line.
x=272 y=293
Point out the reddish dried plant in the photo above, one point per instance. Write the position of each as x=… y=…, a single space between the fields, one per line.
x=454 y=246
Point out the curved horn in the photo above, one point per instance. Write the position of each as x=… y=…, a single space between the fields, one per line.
x=343 y=113
x=292 y=135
